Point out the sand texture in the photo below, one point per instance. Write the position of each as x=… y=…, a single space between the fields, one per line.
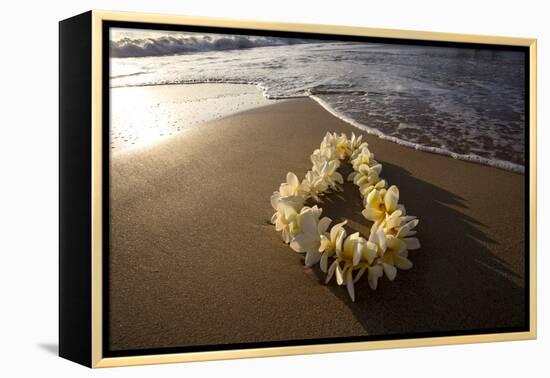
x=194 y=260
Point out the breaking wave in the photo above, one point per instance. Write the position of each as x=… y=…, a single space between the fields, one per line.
x=174 y=45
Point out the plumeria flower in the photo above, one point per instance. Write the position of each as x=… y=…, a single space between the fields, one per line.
x=407 y=229
x=285 y=221
x=377 y=236
x=342 y=147
x=309 y=240
x=363 y=147
x=402 y=225
x=297 y=202
x=393 y=221
x=391 y=199
x=367 y=175
x=370 y=263
x=379 y=202
x=404 y=233
x=290 y=192
x=325 y=153
x=365 y=189
x=327 y=171
x=354 y=143
x=392 y=250
x=340 y=144
x=374 y=272
x=354 y=249
x=331 y=243
x=329 y=139
x=317 y=211
x=314 y=185
x=362 y=156
x=374 y=205
x=395 y=257
x=368 y=178
x=291 y=187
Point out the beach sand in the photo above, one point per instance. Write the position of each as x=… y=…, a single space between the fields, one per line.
x=194 y=261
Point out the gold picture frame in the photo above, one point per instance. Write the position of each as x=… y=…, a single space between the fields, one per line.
x=92 y=327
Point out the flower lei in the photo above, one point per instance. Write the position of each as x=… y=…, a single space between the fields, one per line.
x=347 y=257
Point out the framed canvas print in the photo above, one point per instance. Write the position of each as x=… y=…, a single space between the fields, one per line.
x=235 y=189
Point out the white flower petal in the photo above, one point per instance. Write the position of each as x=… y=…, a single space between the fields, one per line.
x=339 y=240
x=292 y=180
x=366 y=189
x=402 y=263
x=361 y=180
x=360 y=274
x=412 y=243
x=331 y=270
x=370 y=252
x=349 y=245
x=391 y=199
x=340 y=274
x=325 y=244
x=338 y=177
x=372 y=214
x=324 y=262
x=275 y=200
x=312 y=258
x=357 y=254
x=375 y=272
x=307 y=222
x=402 y=208
x=375 y=170
x=380 y=184
x=373 y=282
x=349 y=286
x=390 y=271
x=285 y=235
x=336 y=229
x=381 y=240
x=407 y=229
x=300 y=243
x=323 y=225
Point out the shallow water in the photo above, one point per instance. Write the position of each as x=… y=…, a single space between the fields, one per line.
x=465 y=103
x=143 y=116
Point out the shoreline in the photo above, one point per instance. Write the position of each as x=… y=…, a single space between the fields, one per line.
x=194 y=260
x=496 y=163
x=147 y=115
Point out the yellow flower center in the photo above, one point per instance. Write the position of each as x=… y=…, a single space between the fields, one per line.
x=294 y=228
x=341 y=147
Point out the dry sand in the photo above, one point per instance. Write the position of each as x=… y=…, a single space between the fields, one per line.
x=194 y=261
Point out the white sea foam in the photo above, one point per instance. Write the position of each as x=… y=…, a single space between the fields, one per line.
x=463 y=103
x=470 y=157
x=190 y=43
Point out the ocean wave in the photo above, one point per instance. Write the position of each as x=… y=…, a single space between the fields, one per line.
x=174 y=45
x=497 y=163
x=446 y=105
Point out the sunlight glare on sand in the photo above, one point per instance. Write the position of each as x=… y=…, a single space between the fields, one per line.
x=142 y=116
